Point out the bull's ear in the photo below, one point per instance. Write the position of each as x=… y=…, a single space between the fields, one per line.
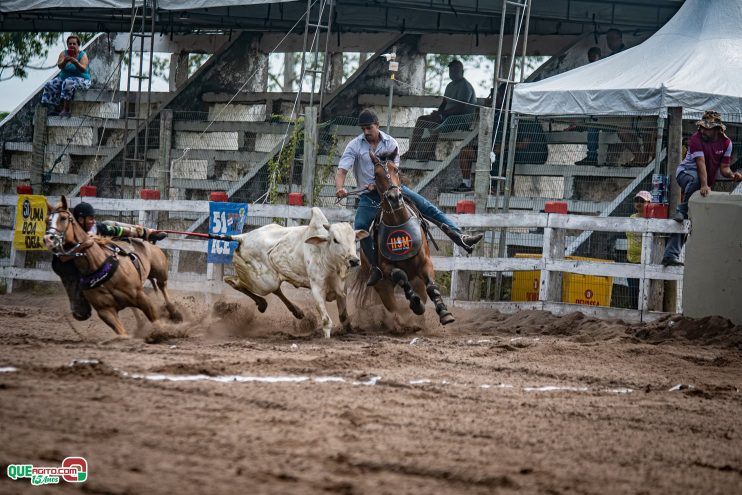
x=317 y=240
x=361 y=234
x=326 y=226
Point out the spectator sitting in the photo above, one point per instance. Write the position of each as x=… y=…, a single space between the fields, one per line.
x=530 y=147
x=593 y=135
x=74 y=75
x=458 y=99
x=709 y=154
x=634 y=245
x=614 y=40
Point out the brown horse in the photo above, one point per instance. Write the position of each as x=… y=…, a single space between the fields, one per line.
x=402 y=247
x=111 y=279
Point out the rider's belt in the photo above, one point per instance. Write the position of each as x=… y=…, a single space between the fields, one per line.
x=400 y=242
x=101 y=275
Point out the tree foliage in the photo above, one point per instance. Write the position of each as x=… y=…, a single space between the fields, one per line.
x=18 y=51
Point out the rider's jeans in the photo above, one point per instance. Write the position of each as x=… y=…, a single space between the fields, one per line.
x=369 y=203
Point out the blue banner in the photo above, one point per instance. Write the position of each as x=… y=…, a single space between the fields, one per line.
x=225 y=218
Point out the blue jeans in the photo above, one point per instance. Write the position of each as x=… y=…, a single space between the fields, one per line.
x=368 y=205
x=689 y=184
x=593 y=139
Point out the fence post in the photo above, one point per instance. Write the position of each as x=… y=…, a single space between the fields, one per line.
x=483 y=166
x=310 y=155
x=550 y=288
x=674 y=150
x=39 y=149
x=166 y=143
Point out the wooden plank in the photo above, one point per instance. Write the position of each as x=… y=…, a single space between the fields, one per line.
x=73 y=149
x=201 y=126
x=26 y=175
x=165 y=152
x=221 y=155
x=617 y=224
x=550 y=287
x=549 y=170
x=310 y=154
x=107 y=96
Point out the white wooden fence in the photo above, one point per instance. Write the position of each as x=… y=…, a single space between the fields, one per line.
x=552 y=264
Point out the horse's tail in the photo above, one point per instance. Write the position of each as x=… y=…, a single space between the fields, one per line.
x=360 y=292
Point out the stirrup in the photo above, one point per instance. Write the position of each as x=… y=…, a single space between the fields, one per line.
x=376 y=276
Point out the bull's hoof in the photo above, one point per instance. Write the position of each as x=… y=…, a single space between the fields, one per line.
x=416 y=305
x=446 y=318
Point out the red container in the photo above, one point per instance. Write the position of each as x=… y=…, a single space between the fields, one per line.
x=555 y=207
x=24 y=189
x=91 y=191
x=296 y=199
x=149 y=194
x=218 y=196
x=466 y=207
x=656 y=210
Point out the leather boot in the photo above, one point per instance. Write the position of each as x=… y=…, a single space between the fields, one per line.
x=154 y=235
x=464 y=241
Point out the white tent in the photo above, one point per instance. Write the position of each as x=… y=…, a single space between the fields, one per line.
x=694 y=61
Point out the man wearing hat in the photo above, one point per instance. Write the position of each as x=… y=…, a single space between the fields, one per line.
x=356 y=157
x=709 y=153
x=458 y=99
x=84 y=214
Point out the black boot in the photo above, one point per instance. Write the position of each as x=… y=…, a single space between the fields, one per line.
x=464 y=241
x=376 y=273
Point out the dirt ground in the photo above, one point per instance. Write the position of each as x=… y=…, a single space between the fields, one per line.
x=232 y=401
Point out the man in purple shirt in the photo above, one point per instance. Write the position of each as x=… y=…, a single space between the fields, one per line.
x=709 y=154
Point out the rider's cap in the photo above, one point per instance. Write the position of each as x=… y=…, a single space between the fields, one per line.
x=367 y=117
x=83 y=210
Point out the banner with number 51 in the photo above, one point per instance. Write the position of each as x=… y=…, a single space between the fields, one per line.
x=225 y=218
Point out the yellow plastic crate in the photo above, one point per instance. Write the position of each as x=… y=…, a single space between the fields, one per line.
x=591 y=290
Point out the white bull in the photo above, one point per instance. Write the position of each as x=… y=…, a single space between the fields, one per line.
x=316 y=256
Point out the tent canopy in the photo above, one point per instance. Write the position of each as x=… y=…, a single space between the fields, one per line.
x=548 y=17
x=694 y=61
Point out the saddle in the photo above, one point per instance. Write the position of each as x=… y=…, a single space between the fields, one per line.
x=120 y=246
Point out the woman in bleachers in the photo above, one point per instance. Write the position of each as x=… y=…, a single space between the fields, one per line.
x=74 y=75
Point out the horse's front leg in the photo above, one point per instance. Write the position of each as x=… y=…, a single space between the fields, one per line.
x=399 y=277
x=434 y=293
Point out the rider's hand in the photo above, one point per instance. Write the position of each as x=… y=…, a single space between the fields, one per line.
x=705 y=190
x=371 y=187
x=341 y=193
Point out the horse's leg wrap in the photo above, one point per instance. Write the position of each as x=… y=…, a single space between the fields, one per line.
x=434 y=294
x=399 y=277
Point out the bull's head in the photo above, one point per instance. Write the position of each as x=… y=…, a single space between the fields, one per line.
x=338 y=240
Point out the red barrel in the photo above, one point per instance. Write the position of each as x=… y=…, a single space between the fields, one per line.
x=555 y=207
x=149 y=194
x=296 y=199
x=466 y=206
x=218 y=196
x=24 y=189
x=90 y=191
x=656 y=210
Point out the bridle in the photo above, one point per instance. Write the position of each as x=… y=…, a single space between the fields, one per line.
x=385 y=196
x=59 y=236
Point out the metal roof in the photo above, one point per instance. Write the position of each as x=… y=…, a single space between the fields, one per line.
x=408 y=16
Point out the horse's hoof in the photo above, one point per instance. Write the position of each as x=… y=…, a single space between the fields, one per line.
x=417 y=306
x=446 y=318
x=262 y=306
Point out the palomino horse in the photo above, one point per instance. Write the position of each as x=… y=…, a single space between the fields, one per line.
x=402 y=246
x=111 y=279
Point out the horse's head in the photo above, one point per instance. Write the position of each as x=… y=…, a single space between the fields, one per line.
x=64 y=235
x=388 y=181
